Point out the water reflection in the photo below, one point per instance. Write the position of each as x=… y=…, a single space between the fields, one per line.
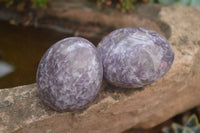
x=5 y=69
x=23 y=47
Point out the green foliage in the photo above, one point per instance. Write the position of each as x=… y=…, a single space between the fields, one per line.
x=124 y=5
x=177 y=2
x=21 y=4
x=127 y=4
x=191 y=126
x=39 y=3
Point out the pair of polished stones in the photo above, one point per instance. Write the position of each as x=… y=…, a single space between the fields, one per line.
x=70 y=73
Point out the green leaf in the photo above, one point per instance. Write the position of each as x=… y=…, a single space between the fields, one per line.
x=127 y=4
x=187 y=130
x=39 y=3
x=184 y=2
x=195 y=3
x=196 y=129
x=192 y=122
x=167 y=2
x=177 y=128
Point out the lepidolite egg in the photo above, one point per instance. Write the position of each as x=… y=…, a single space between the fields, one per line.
x=134 y=57
x=69 y=74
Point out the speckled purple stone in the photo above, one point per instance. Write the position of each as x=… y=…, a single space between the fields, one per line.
x=134 y=57
x=69 y=74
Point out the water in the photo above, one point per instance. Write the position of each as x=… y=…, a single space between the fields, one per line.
x=5 y=69
x=21 y=49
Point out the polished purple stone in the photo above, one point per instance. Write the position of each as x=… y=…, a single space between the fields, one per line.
x=134 y=57
x=69 y=74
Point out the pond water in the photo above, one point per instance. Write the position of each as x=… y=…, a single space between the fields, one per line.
x=21 y=49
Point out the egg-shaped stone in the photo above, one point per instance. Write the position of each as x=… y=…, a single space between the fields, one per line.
x=134 y=57
x=69 y=74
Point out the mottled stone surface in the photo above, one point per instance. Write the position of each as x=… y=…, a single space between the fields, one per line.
x=69 y=74
x=134 y=57
x=21 y=106
x=116 y=110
